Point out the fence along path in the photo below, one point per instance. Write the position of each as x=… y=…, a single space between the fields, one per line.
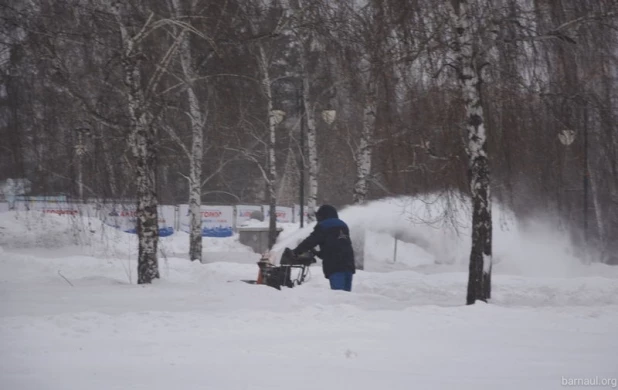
x=217 y=220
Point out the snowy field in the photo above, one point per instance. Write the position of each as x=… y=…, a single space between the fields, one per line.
x=72 y=316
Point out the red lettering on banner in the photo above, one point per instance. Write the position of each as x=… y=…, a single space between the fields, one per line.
x=60 y=212
x=211 y=214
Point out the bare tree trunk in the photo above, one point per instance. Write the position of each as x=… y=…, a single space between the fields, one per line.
x=195 y=178
x=142 y=138
x=196 y=154
x=312 y=146
x=312 y=151
x=147 y=213
x=364 y=152
x=604 y=187
x=469 y=78
x=272 y=161
x=107 y=160
x=272 y=177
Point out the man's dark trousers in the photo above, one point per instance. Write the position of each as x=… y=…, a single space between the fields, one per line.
x=341 y=281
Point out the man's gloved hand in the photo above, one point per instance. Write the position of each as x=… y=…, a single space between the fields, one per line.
x=306 y=258
x=288 y=257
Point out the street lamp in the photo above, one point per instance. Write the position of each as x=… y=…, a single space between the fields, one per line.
x=277 y=116
x=566 y=137
x=327 y=115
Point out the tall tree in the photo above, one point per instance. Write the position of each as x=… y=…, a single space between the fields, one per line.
x=266 y=20
x=197 y=119
x=469 y=62
x=142 y=131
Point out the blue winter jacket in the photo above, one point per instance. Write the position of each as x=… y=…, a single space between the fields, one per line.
x=333 y=237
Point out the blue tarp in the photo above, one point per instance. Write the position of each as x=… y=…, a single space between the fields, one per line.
x=217 y=232
x=163 y=232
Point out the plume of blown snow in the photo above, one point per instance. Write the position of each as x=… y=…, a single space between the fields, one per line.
x=437 y=229
x=437 y=224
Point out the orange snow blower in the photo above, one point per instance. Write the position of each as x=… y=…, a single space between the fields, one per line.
x=281 y=276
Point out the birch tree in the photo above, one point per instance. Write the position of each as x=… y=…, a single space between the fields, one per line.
x=197 y=119
x=305 y=42
x=369 y=32
x=263 y=31
x=468 y=53
x=273 y=120
x=138 y=89
x=578 y=45
x=479 y=28
x=363 y=153
x=142 y=130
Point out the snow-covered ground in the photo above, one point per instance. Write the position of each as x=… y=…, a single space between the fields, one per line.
x=72 y=316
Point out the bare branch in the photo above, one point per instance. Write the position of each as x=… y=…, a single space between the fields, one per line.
x=172 y=133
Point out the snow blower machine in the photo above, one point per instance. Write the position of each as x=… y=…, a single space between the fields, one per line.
x=281 y=276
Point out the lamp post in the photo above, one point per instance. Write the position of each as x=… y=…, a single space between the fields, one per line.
x=301 y=107
x=276 y=117
x=566 y=138
x=328 y=116
x=80 y=150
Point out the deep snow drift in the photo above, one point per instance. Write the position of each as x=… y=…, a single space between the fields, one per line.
x=72 y=318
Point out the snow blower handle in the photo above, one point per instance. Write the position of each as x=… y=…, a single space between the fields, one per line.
x=290 y=258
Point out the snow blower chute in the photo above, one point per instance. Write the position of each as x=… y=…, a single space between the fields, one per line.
x=281 y=276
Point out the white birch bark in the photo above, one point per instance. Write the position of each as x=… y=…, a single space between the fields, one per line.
x=311 y=131
x=364 y=152
x=272 y=137
x=469 y=79
x=312 y=152
x=195 y=161
x=142 y=138
x=312 y=146
x=196 y=153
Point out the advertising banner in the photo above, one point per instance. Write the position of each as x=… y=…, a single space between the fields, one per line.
x=123 y=217
x=88 y=210
x=297 y=214
x=54 y=207
x=167 y=215
x=217 y=221
x=243 y=213
x=284 y=214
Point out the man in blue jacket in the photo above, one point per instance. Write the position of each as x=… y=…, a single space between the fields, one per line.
x=333 y=237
